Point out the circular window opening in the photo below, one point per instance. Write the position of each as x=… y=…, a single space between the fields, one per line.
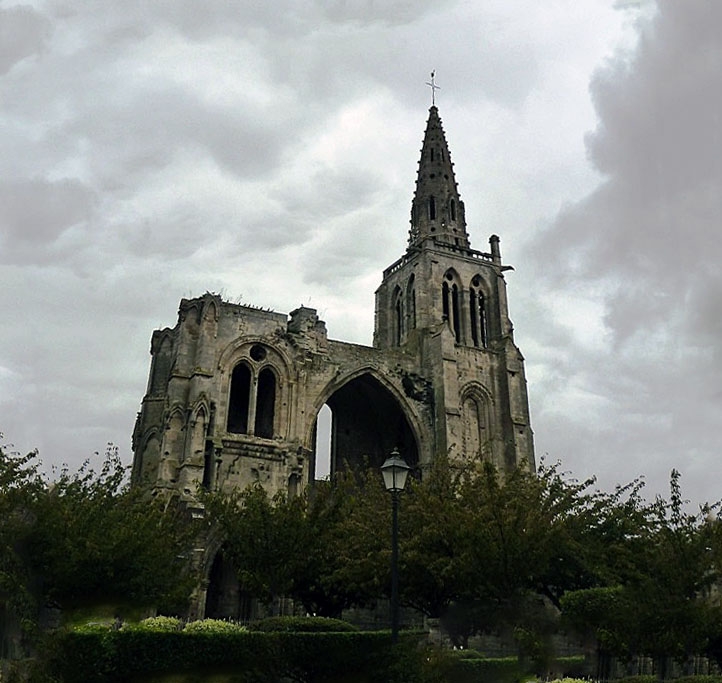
x=476 y=281
x=258 y=353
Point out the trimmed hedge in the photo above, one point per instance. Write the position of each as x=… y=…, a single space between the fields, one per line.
x=474 y=669
x=107 y=656
x=645 y=678
x=573 y=666
x=302 y=625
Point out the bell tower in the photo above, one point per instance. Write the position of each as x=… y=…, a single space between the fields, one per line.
x=445 y=303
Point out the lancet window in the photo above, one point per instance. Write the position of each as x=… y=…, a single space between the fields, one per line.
x=478 y=314
x=450 y=304
x=398 y=315
x=252 y=402
x=411 y=297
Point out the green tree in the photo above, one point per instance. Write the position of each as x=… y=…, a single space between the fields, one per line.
x=652 y=595
x=266 y=539
x=321 y=548
x=20 y=485
x=349 y=553
x=86 y=537
x=669 y=593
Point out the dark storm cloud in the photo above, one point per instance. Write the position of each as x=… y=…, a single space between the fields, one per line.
x=649 y=237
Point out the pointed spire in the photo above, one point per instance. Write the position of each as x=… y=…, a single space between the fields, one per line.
x=437 y=211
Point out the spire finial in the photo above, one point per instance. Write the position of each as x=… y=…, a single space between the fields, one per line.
x=433 y=87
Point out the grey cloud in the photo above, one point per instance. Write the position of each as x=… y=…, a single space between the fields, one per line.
x=660 y=142
x=392 y=12
x=649 y=236
x=23 y=32
x=34 y=213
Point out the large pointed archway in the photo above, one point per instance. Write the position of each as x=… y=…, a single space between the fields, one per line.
x=367 y=423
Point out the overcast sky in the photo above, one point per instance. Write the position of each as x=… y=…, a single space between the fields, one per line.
x=155 y=149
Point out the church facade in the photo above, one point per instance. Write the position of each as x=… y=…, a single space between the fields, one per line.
x=235 y=391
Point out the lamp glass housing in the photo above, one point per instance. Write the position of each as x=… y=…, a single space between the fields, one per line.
x=395 y=470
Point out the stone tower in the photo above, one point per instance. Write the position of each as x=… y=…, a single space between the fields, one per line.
x=234 y=391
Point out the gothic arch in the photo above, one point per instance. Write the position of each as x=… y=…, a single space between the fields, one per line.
x=240 y=349
x=146 y=469
x=162 y=363
x=255 y=390
x=478 y=302
x=371 y=417
x=201 y=408
x=476 y=416
x=411 y=301
x=210 y=314
x=239 y=392
x=268 y=390
x=452 y=303
x=398 y=314
x=224 y=598
x=197 y=429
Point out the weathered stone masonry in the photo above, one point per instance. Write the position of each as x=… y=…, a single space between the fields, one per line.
x=234 y=391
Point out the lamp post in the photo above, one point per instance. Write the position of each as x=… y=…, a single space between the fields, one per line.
x=395 y=471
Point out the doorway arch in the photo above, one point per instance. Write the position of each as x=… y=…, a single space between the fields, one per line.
x=367 y=423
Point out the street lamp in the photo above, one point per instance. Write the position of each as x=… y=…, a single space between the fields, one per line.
x=395 y=471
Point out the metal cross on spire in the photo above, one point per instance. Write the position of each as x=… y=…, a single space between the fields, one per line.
x=433 y=87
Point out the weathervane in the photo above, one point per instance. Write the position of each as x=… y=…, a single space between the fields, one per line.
x=433 y=87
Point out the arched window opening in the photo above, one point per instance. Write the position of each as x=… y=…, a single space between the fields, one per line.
x=431 y=152
x=398 y=313
x=477 y=310
x=239 y=399
x=197 y=444
x=160 y=372
x=150 y=460
x=473 y=308
x=452 y=209
x=483 y=322
x=368 y=423
x=411 y=302
x=445 y=300
x=432 y=209
x=399 y=310
x=324 y=421
x=224 y=598
x=209 y=467
x=265 y=404
x=455 y=313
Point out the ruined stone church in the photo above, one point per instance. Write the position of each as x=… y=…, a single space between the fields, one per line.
x=235 y=391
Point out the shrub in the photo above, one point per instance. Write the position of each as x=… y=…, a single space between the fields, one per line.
x=213 y=626
x=638 y=679
x=129 y=654
x=155 y=625
x=571 y=668
x=302 y=624
x=468 y=666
